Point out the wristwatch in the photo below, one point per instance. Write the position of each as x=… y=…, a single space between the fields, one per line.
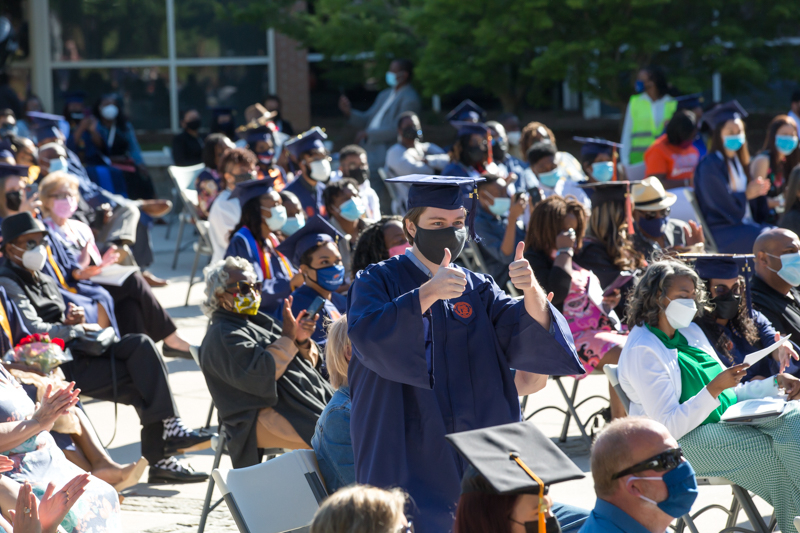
x=568 y=251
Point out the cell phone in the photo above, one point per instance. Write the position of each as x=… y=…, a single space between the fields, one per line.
x=519 y=195
x=535 y=195
x=623 y=279
x=316 y=306
x=31 y=189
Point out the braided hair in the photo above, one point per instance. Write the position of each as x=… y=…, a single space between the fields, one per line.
x=371 y=245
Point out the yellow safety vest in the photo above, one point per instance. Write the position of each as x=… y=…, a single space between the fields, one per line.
x=644 y=131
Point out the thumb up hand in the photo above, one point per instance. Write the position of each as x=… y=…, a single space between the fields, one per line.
x=448 y=282
x=520 y=271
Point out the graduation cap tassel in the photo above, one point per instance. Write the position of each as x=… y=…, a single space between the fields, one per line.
x=490 y=159
x=473 y=211
x=542 y=505
x=614 y=160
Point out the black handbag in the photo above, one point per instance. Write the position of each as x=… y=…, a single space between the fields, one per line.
x=93 y=343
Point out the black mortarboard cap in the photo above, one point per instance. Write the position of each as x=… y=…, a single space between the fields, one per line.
x=719 y=115
x=443 y=192
x=46 y=125
x=466 y=127
x=6 y=171
x=594 y=146
x=255 y=131
x=247 y=190
x=20 y=224
x=466 y=111
x=690 y=101
x=723 y=266
x=309 y=140
x=501 y=454
x=613 y=191
x=316 y=231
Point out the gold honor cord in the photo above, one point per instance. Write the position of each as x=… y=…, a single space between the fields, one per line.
x=542 y=504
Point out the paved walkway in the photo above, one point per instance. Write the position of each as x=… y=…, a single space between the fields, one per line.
x=176 y=508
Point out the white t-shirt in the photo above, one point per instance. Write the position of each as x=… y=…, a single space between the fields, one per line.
x=222 y=218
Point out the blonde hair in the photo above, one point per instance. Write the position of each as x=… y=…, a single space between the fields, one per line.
x=360 y=509
x=337 y=351
x=53 y=182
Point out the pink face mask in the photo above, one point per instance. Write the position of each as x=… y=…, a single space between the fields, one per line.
x=65 y=207
x=399 y=249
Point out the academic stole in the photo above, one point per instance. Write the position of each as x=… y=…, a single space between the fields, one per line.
x=5 y=324
x=59 y=275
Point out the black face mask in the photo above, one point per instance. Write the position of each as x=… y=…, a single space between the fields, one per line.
x=432 y=242
x=13 y=200
x=412 y=133
x=358 y=174
x=498 y=153
x=726 y=306
x=194 y=125
x=551 y=526
x=474 y=155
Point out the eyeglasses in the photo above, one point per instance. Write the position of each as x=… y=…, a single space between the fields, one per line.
x=30 y=244
x=244 y=287
x=650 y=215
x=246 y=176
x=62 y=195
x=722 y=290
x=663 y=462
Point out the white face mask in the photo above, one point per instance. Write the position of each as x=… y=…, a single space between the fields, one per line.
x=59 y=164
x=680 y=312
x=110 y=112
x=320 y=170
x=35 y=259
x=277 y=217
x=514 y=137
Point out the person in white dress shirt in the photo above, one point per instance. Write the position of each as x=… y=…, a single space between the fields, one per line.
x=353 y=164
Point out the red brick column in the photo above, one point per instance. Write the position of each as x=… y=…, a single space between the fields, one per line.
x=291 y=69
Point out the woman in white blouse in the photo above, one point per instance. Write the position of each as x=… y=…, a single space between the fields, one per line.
x=671 y=374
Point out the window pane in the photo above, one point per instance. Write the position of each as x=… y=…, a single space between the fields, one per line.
x=203 y=29
x=108 y=29
x=203 y=88
x=16 y=11
x=144 y=90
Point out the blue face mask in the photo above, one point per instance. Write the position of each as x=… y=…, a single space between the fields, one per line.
x=681 y=490
x=638 y=87
x=733 y=142
x=790 y=268
x=785 y=143
x=293 y=224
x=654 y=227
x=500 y=206
x=8 y=129
x=603 y=171
x=352 y=209
x=330 y=278
x=391 y=79
x=549 y=179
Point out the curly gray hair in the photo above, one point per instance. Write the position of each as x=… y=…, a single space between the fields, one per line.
x=645 y=303
x=217 y=276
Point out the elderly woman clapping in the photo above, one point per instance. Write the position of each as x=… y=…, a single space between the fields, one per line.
x=267 y=396
x=671 y=374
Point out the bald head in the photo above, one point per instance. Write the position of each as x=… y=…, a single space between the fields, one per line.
x=774 y=240
x=623 y=443
x=768 y=249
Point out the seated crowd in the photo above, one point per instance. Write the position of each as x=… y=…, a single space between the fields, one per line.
x=393 y=329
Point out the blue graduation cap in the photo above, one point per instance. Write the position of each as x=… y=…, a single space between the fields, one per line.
x=8 y=171
x=72 y=97
x=304 y=143
x=466 y=111
x=46 y=125
x=443 y=192
x=724 y=266
x=316 y=231
x=596 y=146
x=247 y=190
x=254 y=132
x=465 y=127
x=722 y=113
x=690 y=101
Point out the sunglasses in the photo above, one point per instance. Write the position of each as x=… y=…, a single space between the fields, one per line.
x=722 y=290
x=663 y=462
x=244 y=287
x=650 y=215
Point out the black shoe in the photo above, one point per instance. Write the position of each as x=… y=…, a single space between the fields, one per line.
x=175 y=473
x=168 y=351
x=193 y=442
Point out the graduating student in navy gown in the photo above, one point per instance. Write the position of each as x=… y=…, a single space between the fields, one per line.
x=314 y=251
x=434 y=346
x=259 y=135
x=254 y=239
x=314 y=172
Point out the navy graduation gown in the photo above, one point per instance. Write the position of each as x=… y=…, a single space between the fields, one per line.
x=335 y=307
x=273 y=290
x=16 y=327
x=310 y=197
x=415 y=377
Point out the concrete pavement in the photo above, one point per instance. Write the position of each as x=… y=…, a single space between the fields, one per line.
x=176 y=508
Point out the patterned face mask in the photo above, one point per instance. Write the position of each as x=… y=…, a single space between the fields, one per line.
x=246 y=304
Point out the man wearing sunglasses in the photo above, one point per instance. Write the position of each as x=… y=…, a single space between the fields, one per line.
x=655 y=231
x=641 y=479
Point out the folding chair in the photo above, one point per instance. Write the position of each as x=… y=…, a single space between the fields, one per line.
x=183 y=187
x=280 y=495
x=742 y=501
x=571 y=412
x=397 y=192
x=195 y=352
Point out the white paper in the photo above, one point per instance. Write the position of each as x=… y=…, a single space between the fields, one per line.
x=595 y=292
x=114 y=275
x=755 y=357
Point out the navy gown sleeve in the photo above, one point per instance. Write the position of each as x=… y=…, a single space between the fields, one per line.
x=18 y=329
x=527 y=345
x=398 y=352
x=719 y=204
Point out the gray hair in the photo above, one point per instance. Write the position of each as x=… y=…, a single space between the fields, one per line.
x=60 y=150
x=645 y=302
x=217 y=276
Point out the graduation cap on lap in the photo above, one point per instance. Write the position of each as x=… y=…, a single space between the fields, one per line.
x=466 y=111
x=443 y=192
x=46 y=125
x=613 y=192
x=513 y=459
x=306 y=142
x=316 y=231
x=724 y=266
x=722 y=113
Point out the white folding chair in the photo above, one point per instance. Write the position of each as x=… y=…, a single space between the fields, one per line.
x=742 y=501
x=278 y=496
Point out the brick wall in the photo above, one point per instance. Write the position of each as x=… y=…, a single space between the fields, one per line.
x=291 y=68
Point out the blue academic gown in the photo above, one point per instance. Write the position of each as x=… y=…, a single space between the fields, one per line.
x=333 y=308
x=17 y=328
x=724 y=209
x=310 y=197
x=273 y=290
x=415 y=377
